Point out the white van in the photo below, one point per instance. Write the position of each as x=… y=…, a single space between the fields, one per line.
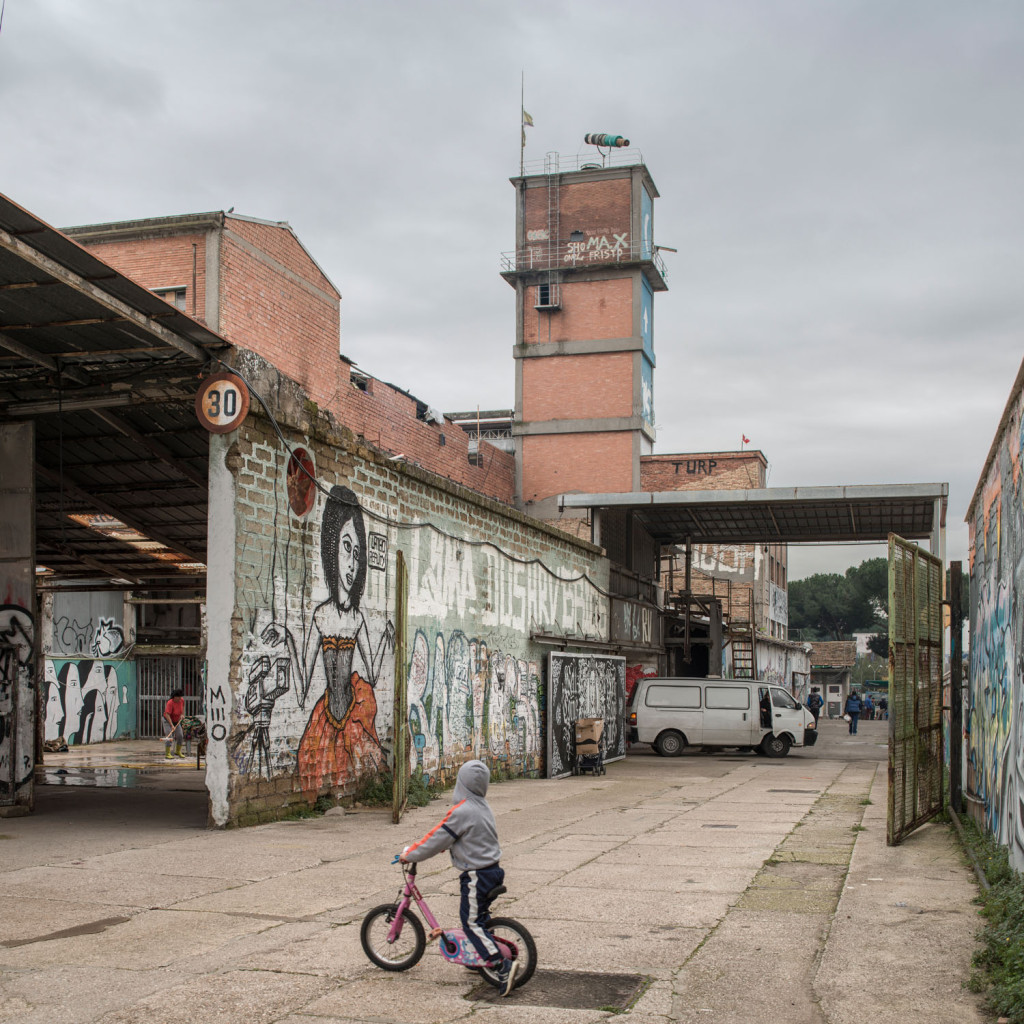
x=672 y=714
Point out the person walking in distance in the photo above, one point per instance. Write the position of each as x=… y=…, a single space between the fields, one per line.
x=868 y=712
x=853 y=709
x=174 y=709
x=814 y=703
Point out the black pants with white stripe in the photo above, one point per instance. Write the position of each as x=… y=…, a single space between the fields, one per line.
x=475 y=909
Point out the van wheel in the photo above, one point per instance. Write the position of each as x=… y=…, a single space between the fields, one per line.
x=775 y=746
x=670 y=744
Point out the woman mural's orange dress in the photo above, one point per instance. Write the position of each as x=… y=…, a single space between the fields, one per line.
x=336 y=751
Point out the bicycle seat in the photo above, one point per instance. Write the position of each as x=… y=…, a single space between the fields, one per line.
x=495 y=892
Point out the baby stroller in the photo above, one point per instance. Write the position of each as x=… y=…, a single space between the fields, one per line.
x=589 y=746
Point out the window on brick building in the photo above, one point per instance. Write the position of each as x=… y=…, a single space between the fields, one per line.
x=175 y=296
x=547 y=296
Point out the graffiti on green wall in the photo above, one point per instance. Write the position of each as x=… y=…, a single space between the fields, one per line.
x=89 y=701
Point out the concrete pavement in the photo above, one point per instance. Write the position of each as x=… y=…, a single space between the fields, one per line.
x=739 y=888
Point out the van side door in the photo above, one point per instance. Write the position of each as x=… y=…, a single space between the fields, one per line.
x=730 y=716
x=787 y=714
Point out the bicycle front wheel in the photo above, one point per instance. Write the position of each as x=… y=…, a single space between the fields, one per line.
x=524 y=950
x=407 y=948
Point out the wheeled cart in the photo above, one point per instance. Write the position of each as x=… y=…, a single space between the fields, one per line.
x=589 y=746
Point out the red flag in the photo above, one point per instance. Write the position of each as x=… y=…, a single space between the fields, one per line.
x=746 y=440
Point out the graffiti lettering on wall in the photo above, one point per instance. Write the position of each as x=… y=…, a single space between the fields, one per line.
x=467 y=701
x=499 y=594
x=584 y=686
x=725 y=561
x=634 y=623
x=598 y=247
x=333 y=658
x=101 y=640
x=17 y=650
x=697 y=467
x=995 y=718
x=86 y=702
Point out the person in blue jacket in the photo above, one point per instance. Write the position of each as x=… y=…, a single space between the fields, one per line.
x=814 y=703
x=853 y=709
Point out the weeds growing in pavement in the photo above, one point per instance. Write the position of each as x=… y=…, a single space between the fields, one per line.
x=999 y=964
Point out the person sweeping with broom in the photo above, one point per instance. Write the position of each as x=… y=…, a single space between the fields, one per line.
x=174 y=709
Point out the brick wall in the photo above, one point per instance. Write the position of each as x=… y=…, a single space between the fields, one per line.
x=164 y=262
x=590 y=310
x=306 y=696
x=597 y=208
x=560 y=463
x=279 y=305
x=578 y=387
x=712 y=471
x=275 y=301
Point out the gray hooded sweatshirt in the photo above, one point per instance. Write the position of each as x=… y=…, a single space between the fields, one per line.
x=468 y=830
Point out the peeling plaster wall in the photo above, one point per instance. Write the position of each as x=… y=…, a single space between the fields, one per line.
x=304 y=670
x=789 y=666
x=995 y=716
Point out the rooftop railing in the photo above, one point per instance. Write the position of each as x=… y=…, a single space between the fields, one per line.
x=590 y=159
x=594 y=251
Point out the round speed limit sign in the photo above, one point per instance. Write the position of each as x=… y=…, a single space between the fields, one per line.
x=222 y=402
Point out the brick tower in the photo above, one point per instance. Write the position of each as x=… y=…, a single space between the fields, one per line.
x=585 y=270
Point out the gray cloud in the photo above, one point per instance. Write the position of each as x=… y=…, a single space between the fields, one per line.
x=841 y=181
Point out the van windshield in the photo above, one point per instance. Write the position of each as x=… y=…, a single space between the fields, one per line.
x=781 y=699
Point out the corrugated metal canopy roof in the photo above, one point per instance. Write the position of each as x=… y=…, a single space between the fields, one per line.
x=784 y=515
x=108 y=371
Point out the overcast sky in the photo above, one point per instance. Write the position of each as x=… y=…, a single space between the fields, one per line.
x=843 y=181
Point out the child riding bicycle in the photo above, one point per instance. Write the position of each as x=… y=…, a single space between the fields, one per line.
x=468 y=832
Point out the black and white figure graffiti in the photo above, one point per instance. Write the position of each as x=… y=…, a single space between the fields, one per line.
x=584 y=686
x=17 y=649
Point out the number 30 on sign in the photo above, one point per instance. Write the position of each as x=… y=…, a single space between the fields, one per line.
x=222 y=402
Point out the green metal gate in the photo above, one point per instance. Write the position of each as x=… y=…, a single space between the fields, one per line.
x=400 y=789
x=915 y=688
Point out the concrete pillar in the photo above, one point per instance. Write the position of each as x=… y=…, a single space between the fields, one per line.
x=18 y=643
x=220 y=603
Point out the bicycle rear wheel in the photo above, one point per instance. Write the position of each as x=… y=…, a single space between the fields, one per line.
x=523 y=948
x=401 y=954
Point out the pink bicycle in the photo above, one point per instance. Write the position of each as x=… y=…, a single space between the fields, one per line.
x=394 y=939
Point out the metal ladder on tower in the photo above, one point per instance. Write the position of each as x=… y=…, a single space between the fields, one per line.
x=551 y=168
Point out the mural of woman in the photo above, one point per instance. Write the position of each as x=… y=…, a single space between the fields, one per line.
x=340 y=741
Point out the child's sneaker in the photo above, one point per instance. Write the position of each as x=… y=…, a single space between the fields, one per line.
x=507 y=976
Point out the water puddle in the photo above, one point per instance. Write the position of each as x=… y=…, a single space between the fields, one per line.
x=120 y=778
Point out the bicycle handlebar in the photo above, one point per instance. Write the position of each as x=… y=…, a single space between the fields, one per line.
x=409 y=867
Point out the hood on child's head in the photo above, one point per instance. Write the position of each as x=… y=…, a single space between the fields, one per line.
x=473 y=777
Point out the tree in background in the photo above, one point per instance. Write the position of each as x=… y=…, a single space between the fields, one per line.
x=828 y=606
